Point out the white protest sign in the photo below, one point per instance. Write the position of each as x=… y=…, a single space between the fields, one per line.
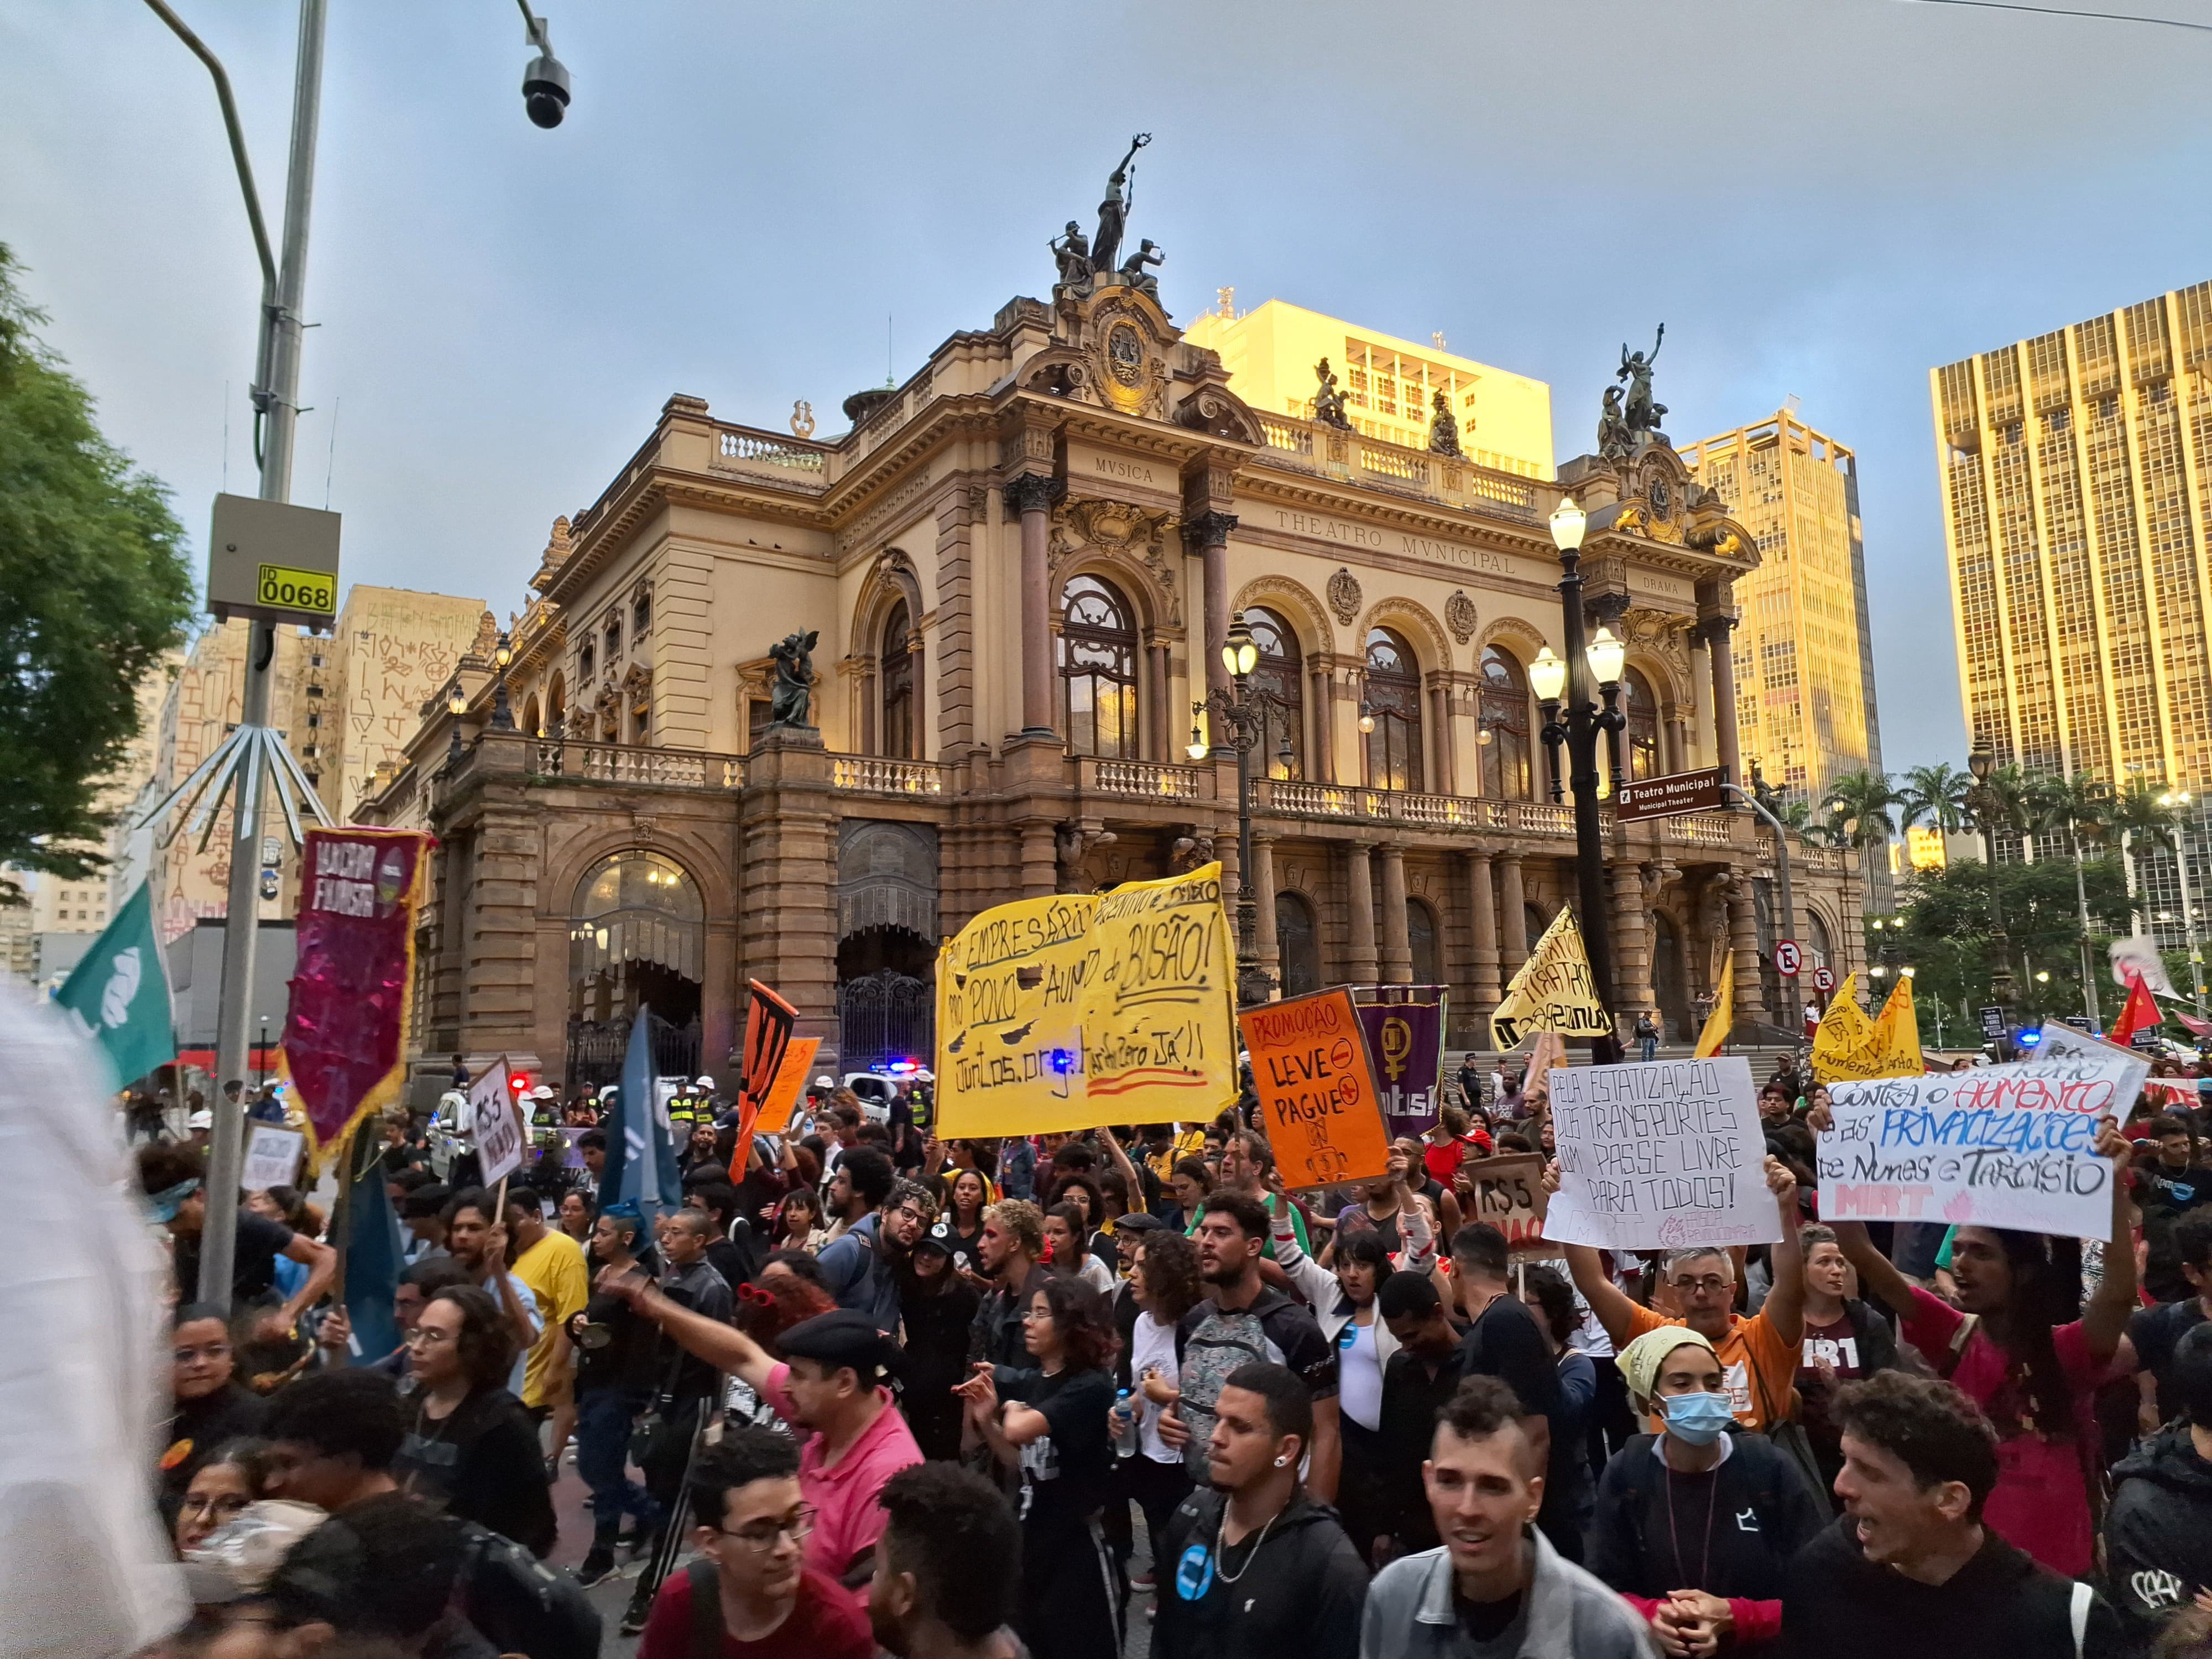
x=1995 y=1146
x=1659 y=1156
x=2133 y=1068
x=272 y=1158
x=501 y=1132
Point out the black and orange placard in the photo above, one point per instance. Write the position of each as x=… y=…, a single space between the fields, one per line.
x=1317 y=1083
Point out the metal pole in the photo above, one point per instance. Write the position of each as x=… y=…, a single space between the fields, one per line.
x=1583 y=780
x=2189 y=924
x=281 y=336
x=2088 y=959
x=1788 y=928
x=1248 y=907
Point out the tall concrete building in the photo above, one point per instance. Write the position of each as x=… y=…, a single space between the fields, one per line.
x=1804 y=659
x=1389 y=383
x=2076 y=470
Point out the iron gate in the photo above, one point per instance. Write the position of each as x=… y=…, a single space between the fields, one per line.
x=598 y=1048
x=886 y=1015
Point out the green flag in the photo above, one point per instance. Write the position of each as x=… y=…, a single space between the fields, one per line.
x=120 y=993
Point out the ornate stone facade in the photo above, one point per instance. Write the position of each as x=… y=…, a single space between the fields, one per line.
x=1020 y=565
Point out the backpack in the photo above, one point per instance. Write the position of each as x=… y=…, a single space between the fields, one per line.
x=519 y=1605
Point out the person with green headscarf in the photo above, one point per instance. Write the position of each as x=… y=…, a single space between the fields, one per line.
x=1695 y=1524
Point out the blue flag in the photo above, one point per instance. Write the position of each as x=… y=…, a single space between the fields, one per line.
x=641 y=1155
x=373 y=1264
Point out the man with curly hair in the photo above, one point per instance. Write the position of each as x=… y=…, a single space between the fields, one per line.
x=861 y=1266
x=1012 y=1250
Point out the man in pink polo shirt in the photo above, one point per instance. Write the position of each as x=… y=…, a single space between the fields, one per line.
x=851 y=1437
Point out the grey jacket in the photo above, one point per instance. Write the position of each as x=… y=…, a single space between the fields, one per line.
x=1567 y=1614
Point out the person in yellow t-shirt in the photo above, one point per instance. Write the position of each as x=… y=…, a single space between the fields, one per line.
x=551 y=1264
x=1758 y=1356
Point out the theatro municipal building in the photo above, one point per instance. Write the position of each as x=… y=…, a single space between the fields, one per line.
x=793 y=707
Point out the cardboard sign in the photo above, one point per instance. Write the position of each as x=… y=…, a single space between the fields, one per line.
x=782 y=1095
x=272 y=1158
x=1995 y=1146
x=1659 y=1156
x=502 y=1131
x=1079 y=1009
x=1552 y=992
x=1316 y=1083
x=1509 y=1194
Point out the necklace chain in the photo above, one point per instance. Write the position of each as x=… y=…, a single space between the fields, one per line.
x=1221 y=1546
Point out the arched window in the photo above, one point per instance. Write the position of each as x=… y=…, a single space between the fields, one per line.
x=1298 y=943
x=1818 y=946
x=896 y=667
x=637 y=934
x=1534 y=921
x=1640 y=741
x=532 y=726
x=556 y=708
x=1421 y=936
x=1393 y=703
x=1502 y=727
x=1098 y=669
x=1281 y=675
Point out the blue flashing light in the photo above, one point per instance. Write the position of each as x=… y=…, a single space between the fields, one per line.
x=2029 y=1035
x=1062 y=1061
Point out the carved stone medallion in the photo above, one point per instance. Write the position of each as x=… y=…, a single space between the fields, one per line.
x=1343 y=596
x=1460 y=617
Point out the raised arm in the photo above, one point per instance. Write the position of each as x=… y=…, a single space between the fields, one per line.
x=1612 y=1305
x=1785 y=1298
x=322 y=1264
x=723 y=1347
x=2105 y=1315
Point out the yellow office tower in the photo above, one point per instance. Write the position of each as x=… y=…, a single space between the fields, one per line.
x=2077 y=480
x=1804 y=665
x=1389 y=384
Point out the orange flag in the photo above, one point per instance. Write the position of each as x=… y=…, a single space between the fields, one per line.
x=2138 y=1013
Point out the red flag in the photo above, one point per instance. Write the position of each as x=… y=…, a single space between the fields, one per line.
x=769 y=1025
x=2138 y=1013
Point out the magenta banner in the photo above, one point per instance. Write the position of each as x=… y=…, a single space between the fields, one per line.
x=345 y=1035
x=1405 y=1041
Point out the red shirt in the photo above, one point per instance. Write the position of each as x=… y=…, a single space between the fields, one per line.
x=826 y=1622
x=846 y=1517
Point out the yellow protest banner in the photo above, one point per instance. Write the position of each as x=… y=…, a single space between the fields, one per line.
x=1897 y=1026
x=1079 y=1009
x=1723 y=1017
x=1552 y=992
x=1850 y=1048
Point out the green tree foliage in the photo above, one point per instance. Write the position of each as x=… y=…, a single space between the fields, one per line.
x=1935 y=796
x=1945 y=936
x=96 y=588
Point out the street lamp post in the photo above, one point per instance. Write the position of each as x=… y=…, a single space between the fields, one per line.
x=1575 y=730
x=2180 y=798
x=502 y=713
x=1242 y=711
x=1982 y=802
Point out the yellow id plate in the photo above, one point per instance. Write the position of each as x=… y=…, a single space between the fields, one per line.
x=297 y=590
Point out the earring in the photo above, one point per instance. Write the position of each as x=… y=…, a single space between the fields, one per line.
x=1282 y=1463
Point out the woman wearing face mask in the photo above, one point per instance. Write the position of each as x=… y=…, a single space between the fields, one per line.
x=1695 y=1526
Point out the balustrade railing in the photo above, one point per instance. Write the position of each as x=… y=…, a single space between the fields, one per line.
x=871 y=774
x=617 y=762
x=1145 y=780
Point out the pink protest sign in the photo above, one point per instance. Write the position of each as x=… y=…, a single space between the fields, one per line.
x=345 y=1035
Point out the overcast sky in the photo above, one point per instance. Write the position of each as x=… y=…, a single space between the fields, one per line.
x=750 y=201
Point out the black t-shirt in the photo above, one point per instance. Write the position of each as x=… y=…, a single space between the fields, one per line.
x=2156 y=1332
x=252 y=1262
x=1505 y=1342
x=1064 y=1472
x=625 y=1357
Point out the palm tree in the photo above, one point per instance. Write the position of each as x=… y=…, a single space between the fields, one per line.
x=1936 y=796
x=2142 y=808
x=1858 y=805
x=2084 y=806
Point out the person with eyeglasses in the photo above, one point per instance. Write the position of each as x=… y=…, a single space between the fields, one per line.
x=233 y=1475
x=859 y=1265
x=212 y=1406
x=752 y=1594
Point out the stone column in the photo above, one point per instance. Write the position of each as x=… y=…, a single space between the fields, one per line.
x=1632 y=950
x=1040 y=860
x=1322 y=768
x=1032 y=495
x=1512 y=917
x=1360 y=966
x=1482 y=909
x=1396 y=960
x=1678 y=737
x=1165 y=731
x=1207 y=534
x=1263 y=894
x=1715 y=631
x=921 y=703
x=1743 y=951
x=1440 y=769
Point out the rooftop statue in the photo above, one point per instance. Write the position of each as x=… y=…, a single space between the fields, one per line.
x=1641 y=415
x=790 y=701
x=1114 y=211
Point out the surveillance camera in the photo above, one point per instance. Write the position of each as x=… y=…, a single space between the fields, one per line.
x=545 y=90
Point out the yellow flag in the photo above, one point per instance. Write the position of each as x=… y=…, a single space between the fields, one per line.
x=1552 y=992
x=1723 y=1017
x=1848 y=1048
x=1898 y=1027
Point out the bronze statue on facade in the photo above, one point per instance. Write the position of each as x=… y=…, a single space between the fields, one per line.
x=1114 y=211
x=1134 y=274
x=790 y=701
x=1615 y=442
x=1328 y=402
x=1443 y=428
x=1072 y=248
x=1642 y=415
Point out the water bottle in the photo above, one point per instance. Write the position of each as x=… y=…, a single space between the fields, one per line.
x=1125 y=1425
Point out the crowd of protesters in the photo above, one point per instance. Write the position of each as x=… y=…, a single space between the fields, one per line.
x=1072 y=1394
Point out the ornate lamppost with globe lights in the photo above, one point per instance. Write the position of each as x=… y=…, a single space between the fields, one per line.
x=1572 y=732
x=1242 y=713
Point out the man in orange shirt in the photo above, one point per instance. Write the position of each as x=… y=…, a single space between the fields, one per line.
x=1759 y=1355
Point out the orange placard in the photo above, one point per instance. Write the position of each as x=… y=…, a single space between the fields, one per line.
x=775 y=1105
x=1317 y=1083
